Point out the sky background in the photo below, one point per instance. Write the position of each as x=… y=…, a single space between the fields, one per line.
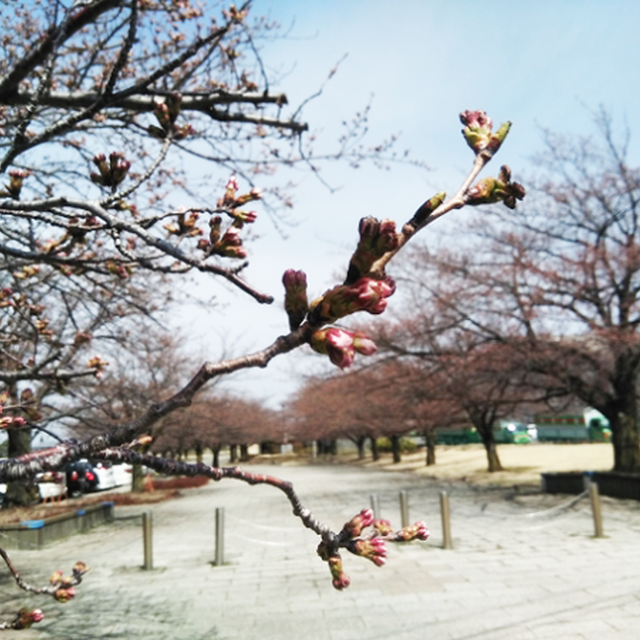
x=543 y=64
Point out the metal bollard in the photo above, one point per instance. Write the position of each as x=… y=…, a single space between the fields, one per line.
x=404 y=509
x=375 y=506
x=147 y=540
x=594 y=495
x=219 y=561
x=445 y=511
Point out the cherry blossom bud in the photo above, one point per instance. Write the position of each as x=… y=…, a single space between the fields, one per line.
x=376 y=239
x=416 y=531
x=231 y=189
x=366 y=294
x=64 y=594
x=501 y=189
x=340 y=578
x=383 y=527
x=426 y=209
x=244 y=216
x=97 y=363
x=374 y=550
x=82 y=337
x=336 y=343
x=214 y=233
x=477 y=132
x=477 y=129
x=56 y=577
x=354 y=527
x=16 y=179
x=9 y=422
x=27 y=617
x=296 y=303
x=80 y=568
x=254 y=194
x=363 y=344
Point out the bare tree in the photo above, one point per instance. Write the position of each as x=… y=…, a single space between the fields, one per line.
x=558 y=284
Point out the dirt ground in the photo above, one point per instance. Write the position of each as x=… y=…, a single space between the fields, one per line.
x=522 y=464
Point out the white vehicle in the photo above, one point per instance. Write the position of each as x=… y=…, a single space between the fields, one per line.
x=111 y=476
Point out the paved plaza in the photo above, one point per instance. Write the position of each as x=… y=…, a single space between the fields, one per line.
x=524 y=567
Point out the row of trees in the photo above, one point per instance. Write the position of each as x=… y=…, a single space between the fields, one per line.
x=521 y=311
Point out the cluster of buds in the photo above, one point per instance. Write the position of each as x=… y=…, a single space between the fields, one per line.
x=118 y=269
x=229 y=243
x=370 y=546
x=12 y=422
x=185 y=225
x=82 y=337
x=500 y=189
x=234 y=14
x=26 y=617
x=167 y=113
x=477 y=132
x=111 y=172
x=365 y=294
x=16 y=179
x=376 y=238
x=296 y=303
x=42 y=325
x=341 y=345
x=62 y=587
x=26 y=272
x=99 y=365
x=231 y=200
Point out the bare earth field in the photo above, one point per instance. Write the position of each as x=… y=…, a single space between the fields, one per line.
x=523 y=463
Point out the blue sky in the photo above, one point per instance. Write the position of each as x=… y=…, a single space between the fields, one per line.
x=538 y=64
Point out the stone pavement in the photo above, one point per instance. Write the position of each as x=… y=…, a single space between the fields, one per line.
x=524 y=566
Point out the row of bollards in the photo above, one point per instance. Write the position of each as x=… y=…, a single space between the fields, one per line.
x=445 y=513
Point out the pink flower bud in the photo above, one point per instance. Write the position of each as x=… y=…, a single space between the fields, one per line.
x=340 y=578
x=354 y=527
x=296 y=303
x=477 y=132
x=363 y=344
x=374 y=550
x=37 y=615
x=64 y=594
x=416 y=531
x=245 y=216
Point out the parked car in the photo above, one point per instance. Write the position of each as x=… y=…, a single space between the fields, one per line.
x=81 y=478
x=111 y=475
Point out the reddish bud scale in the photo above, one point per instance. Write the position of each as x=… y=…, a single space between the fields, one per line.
x=296 y=303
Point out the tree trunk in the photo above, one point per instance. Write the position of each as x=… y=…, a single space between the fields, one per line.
x=493 y=460
x=199 y=451
x=20 y=492
x=233 y=453
x=430 y=441
x=360 y=442
x=624 y=436
x=374 y=449
x=395 y=448
x=216 y=456
x=244 y=452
